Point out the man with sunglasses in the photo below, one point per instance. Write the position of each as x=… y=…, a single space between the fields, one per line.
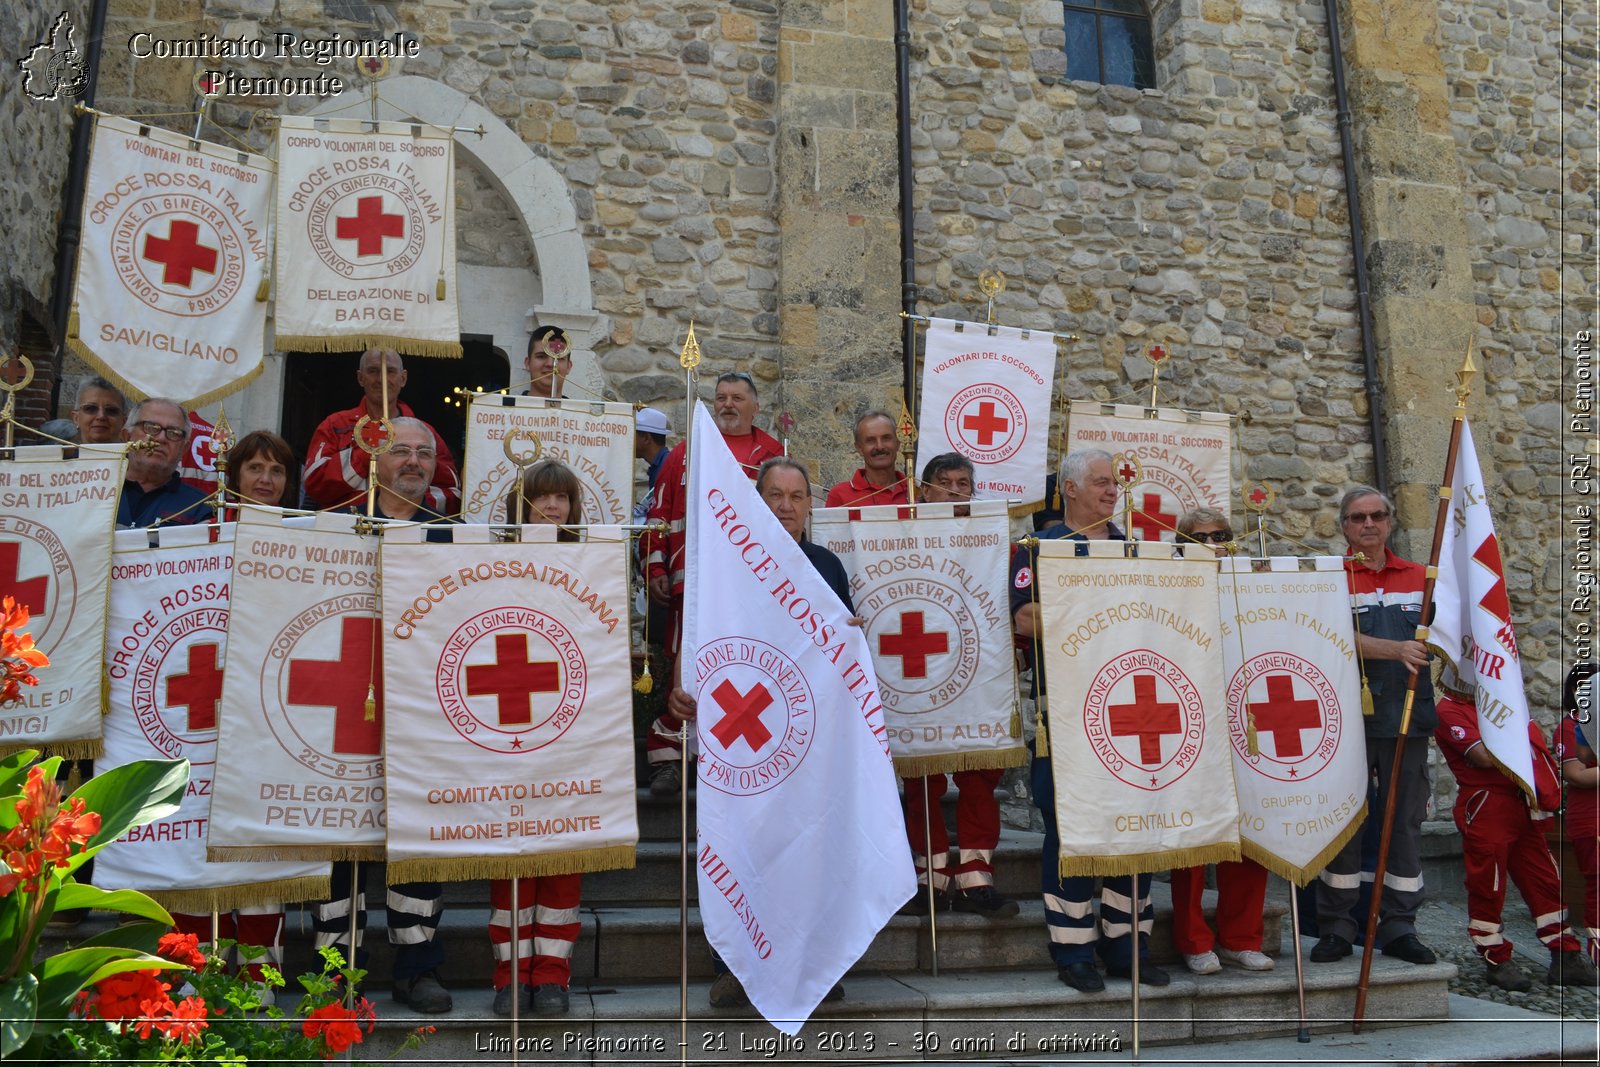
x=158 y=433
x=98 y=412
x=1386 y=597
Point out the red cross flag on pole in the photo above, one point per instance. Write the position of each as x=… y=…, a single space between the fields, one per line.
x=1472 y=625
x=802 y=852
x=366 y=238
x=173 y=256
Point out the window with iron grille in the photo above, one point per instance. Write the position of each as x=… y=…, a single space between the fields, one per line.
x=1108 y=41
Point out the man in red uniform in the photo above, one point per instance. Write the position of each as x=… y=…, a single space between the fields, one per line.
x=1501 y=841
x=336 y=469
x=734 y=406
x=877 y=482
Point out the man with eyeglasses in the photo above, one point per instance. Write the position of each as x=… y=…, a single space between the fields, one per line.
x=158 y=431
x=548 y=362
x=98 y=412
x=1386 y=597
x=336 y=468
x=734 y=407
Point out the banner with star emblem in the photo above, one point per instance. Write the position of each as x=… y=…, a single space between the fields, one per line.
x=366 y=237
x=933 y=591
x=986 y=394
x=1294 y=710
x=1169 y=461
x=1135 y=711
x=300 y=768
x=594 y=439
x=509 y=720
x=170 y=298
x=165 y=647
x=56 y=519
x=1472 y=625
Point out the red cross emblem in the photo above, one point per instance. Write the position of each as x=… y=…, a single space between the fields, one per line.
x=180 y=253
x=913 y=645
x=29 y=593
x=1282 y=716
x=1146 y=718
x=1150 y=520
x=512 y=679
x=986 y=423
x=1127 y=472
x=341 y=684
x=1258 y=496
x=369 y=226
x=743 y=715
x=200 y=688
x=209 y=83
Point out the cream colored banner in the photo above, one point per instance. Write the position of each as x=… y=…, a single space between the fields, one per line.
x=56 y=519
x=510 y=710
x=300 y=765
x=1137 y=721
x=933 y=592
x=1294 y=681
x=1182 y=459
x=594 y=439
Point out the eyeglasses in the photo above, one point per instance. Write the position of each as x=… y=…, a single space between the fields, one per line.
x=1216 y=537
x=737 y=376
x=100 y=409
x=404 y=452
x=1359 y=517
x=155 y=429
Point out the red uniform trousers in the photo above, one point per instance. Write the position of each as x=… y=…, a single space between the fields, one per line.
x=547 y=928
x=977 y=828
x=260 y=924
x=1586 y=847
x=1501 y=840
x=1241 y=894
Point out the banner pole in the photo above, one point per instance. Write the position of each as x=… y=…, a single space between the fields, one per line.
x=1138 y=912
x=1304 y=1034
x=927 y=859
x=355 y=894
x=516 y=964
x=688 y=359
x=1463 y=390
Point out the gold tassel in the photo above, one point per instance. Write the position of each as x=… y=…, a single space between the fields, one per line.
x=263 y=289
x=1041 y=737
x=438 y=291
x=1367 y=707
x=1252 y=743
x=644 y=683
x=1016 y=721
x=72 y=322
x=369 y=710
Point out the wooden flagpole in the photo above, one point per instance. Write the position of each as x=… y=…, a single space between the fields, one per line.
x=1463 y=390
x=688 y=359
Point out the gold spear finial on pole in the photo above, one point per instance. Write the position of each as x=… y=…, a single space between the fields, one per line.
x=1464 y=378
x=907 y=432
x=689 y=355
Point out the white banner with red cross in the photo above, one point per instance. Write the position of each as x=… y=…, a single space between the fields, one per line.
x=366 y=237
x=986 y=394
x=594 y=439
x=300 y=772
x=1294 y=710
x=933 y=591
x=510 y=713
x=1472 y=625
x=1175 y=460
x=1137 y=721
x=166 y=639
x=802 y=851
x=56 y=520
x=173 y=258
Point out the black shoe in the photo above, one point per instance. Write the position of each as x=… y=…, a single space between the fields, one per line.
x=425 y=994
x=1082 y=977
x=1508 y=976
x=1407 y=947
x=983 y=900
x=1149 y=974
x=728 y=992
x=503 y=995
x=918 y=905
x=1570 y=968
x=1332 y=947
x=550 y=999
x=666 y=780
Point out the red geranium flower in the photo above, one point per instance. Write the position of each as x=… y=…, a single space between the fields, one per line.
x=122 y=996
x=181 y=948
x=187 y=1021
x=336 y=1024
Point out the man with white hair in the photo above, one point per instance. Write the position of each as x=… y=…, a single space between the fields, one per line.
x=158 y=433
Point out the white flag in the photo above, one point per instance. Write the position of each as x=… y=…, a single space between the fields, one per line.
x=1472 y=618
x=802 y=845
x=1179 y=460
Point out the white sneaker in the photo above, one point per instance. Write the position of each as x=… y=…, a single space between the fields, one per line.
x=1203 y=963
x=1248 y=958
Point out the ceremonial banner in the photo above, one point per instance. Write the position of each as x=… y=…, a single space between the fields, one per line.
x=1472 y=619
x=1180 y=460
x=170 y=271
x=1136 y=715
x=165 y=640
x=300 y=757
x=366 y=237
x=799 y=810
x=933 y=592
x=509 y=720
x=1294 y=681
x=594 y=439
x=56 y=519
x=986 y=394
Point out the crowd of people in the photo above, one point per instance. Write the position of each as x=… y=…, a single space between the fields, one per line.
x=416 y=479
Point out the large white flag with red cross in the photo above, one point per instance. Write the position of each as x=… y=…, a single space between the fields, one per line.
x=1472 y=618
x=802 y=851
x=1168 y=461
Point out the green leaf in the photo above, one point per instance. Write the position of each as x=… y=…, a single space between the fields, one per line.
x=128 y=901
x=133 y=794
x=61 y=976
x=140 y=937
x=14 y=770
x=19 y=1007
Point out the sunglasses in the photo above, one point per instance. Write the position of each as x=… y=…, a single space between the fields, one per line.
x=98 y=409
x=1216 y=537
x=737 y=376
x=155 y=429
x=1359 y=517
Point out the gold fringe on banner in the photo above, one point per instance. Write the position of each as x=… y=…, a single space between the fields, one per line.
x=228 y=897
x=83 y=352
x=1303 y=876
x=246 y=853
x=1148 y=861
x=992 y=759
x=406 y=346
x=72 y=322
x=467 y=868
x=80 y=748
